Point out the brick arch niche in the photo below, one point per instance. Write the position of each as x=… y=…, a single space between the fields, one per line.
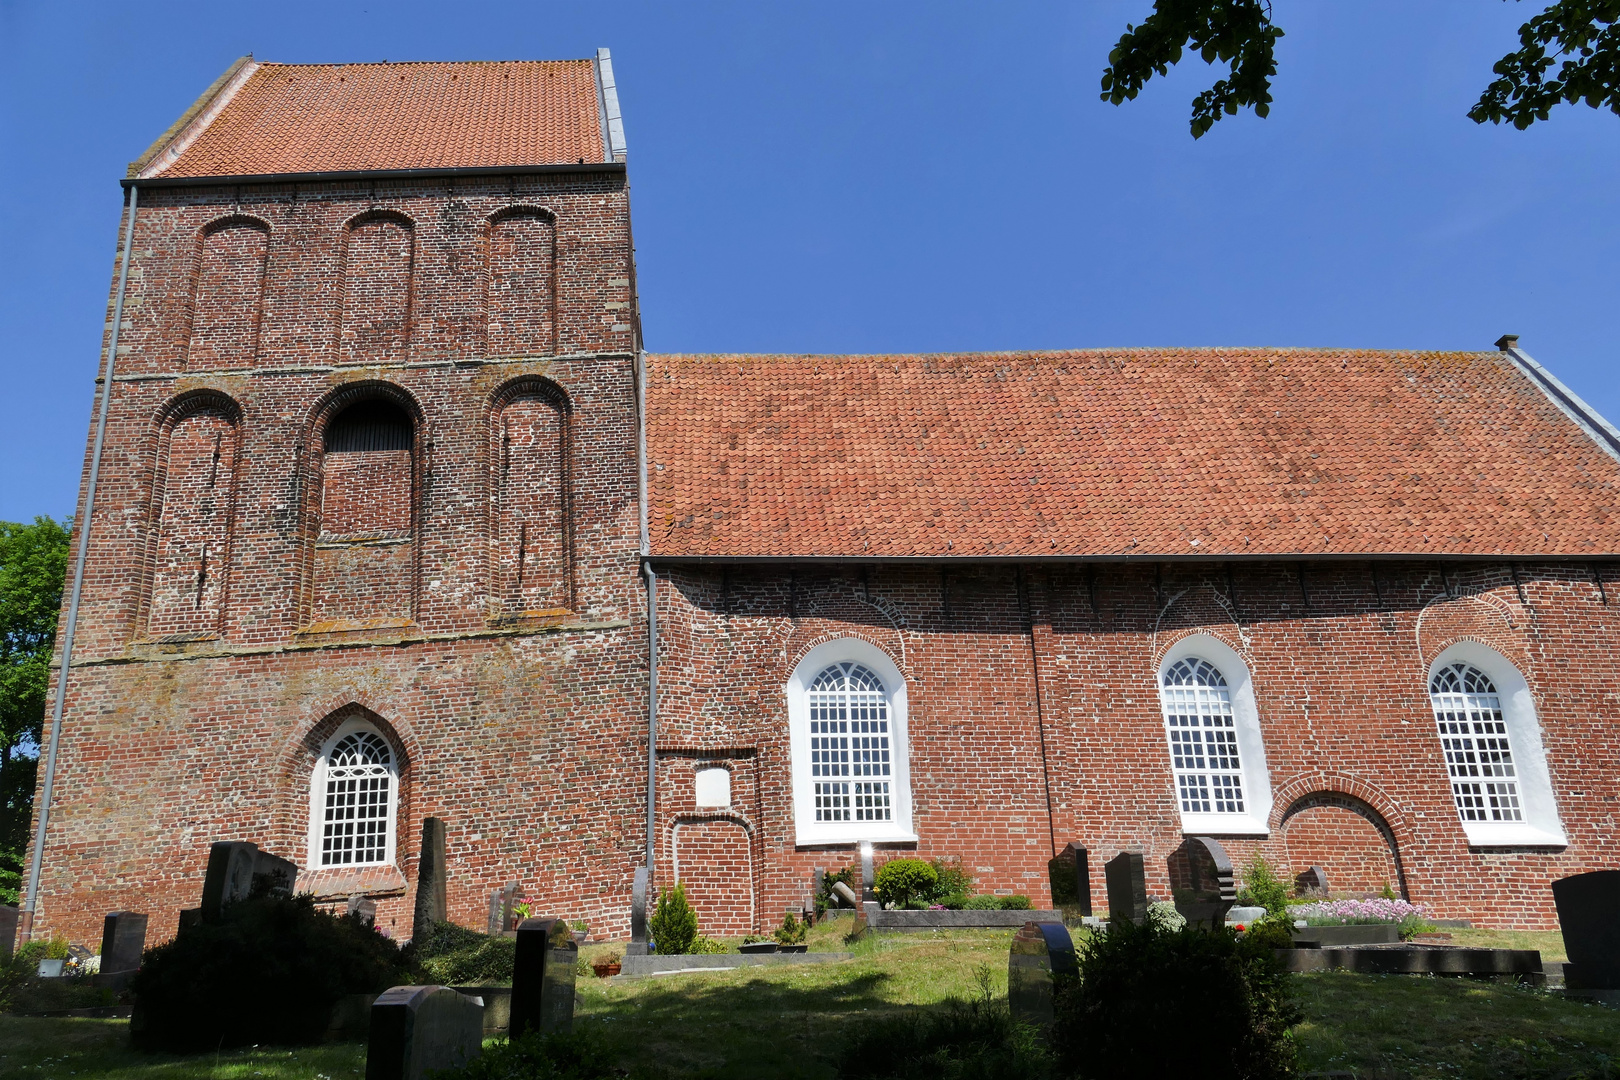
x=531 y=527
x=713 y=857
x=1347 y=838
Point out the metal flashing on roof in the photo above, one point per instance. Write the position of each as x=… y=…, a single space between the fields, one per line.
x=607 y=100
x=184 y=131
x=1586 y=418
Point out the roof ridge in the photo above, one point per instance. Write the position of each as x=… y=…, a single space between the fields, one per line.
x=420 y=63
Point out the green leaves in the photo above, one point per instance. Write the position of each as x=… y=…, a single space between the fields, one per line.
x=1238 y=33
x=1586 y=34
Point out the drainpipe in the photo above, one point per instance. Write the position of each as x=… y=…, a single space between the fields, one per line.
x=652 y=717
x=35 y=864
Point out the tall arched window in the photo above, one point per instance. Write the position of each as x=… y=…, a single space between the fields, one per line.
x=1213 y=730
x=1479 y=755
x=353 y=799
x=846 y=707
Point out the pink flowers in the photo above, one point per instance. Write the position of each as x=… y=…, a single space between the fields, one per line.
x=1375 y=910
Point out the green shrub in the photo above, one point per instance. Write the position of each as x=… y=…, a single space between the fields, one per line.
x=674 y=925
x=268 y=972
x=959 y=1040
x=452 y=955
x=555 y=1056
x=954 y=902
x=791 y=932
x=705 y=944
x=1270 y=933
x=982 y=903
x=902 y=881
x=1014 y=903
x=1166 y=913
x=953 y=880
x=23 y=991
x=1262 y=887
x=1153 y=1001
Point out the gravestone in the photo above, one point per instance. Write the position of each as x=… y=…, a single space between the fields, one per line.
x=1589 y=915
x=364 y=907
x=1127 y=887
x=543 y=977
x=846 y=894
x=1202 y=881
x=416 y=1029
x=123 y=940
x=868 y=881
x=235 y=870
x=8 y=931
x=502 y=902
x=638 y=915
x=1070 y=877
x=1311 y=880
x=431 y=906
x=1041 y=953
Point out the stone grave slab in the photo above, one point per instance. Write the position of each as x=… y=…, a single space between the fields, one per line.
x=1070 y=877
x=8 y=931
x=868 y=875
x=1041 y=953
x=543 y=977
x=503 y=904
x=1589 y=915
x=235 y=869
x=1310 y=881
x=431 y=905
x=364 y=907
x=123 y=941
x=1126 y=876
x=846 y=894
x=417 y=1029
x=638 y=914
x=1202 y=881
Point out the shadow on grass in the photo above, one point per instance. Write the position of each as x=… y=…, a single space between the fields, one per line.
x=34 y=1048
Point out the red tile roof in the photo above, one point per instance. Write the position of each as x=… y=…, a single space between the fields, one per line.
x=292 y=118
x=1119 y=452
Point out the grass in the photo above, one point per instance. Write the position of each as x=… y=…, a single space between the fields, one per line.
x=788 y=1021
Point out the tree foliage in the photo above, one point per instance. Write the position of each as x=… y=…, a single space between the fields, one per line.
x=33 y=562
x=1584 y=34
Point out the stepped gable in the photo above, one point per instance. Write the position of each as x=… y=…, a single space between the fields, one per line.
x=262 y=119
x=1129 y=452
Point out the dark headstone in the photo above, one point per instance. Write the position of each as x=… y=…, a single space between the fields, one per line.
x=1070 y=876
x=431 y=906
x=502 y=907
x=416 y=1029
x=1041 y=952
x=868 y=877
x=8 y=931
x=1589 y=915
x=123 y=940
x=638 y=914
x=543 y=977
x=1127 y=887
x=1311 y=880
x=1202 y=882
x=364 y=907
x=236 y=869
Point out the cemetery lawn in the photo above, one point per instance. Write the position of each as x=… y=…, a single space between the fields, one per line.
x=787 y=1022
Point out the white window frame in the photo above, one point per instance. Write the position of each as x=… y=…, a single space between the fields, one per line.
x=808 y=830
x=1257 y=799
x=317 y=797
x=1541 y=826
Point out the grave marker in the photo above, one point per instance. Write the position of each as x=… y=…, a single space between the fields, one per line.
x=364 y=907
x=431 y=906
x=1070 y=877
x=846 y=894
x=868 y=881
x=416 y=1029
x=1589 y=915
x=1041 y=953
x=543 y=977
x=123 y=940
x=1127 y=887
x=1202 y=881
x=1311 y=880
x=235 y=869
x=502 y=902
x=638 y=914
x=8 y=931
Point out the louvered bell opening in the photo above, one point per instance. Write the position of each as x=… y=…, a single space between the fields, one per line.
x=369 y=425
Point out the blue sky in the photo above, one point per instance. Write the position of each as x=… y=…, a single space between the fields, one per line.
x=879 y=177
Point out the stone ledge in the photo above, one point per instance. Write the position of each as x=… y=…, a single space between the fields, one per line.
x=1417 y=960
x=342 y=882
x=670 y=965
x=904 y=922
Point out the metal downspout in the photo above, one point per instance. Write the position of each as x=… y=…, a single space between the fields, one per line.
x=36 y=864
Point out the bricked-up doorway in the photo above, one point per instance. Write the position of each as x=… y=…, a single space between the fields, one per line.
x=1345 y=837
x=714 y=860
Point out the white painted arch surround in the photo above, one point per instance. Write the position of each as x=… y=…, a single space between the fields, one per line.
x=1541 y=826
x=317 y=795
x=1245 y=724
x=807 y=829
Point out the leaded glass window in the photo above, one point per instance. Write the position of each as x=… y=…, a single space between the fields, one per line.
x=356 y=815
x=1203 y=740
x=1468 y=712
x=850 y=769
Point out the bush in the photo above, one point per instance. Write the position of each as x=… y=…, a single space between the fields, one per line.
x=959 y=1040
x=791 y=932
x=268 y=972
x=1166 y=913
x=452 y=955
x=902 y=881
x=554 y=1056
x=1014 y=903
x=1270 y=933
x=705 y=944
x=674 y=925
x=1262 y=888
x=954 y=880
x=23 y=991
x=982 y=903
x=1153 y=1001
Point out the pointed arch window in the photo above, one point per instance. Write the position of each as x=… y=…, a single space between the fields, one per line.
x=353 y=800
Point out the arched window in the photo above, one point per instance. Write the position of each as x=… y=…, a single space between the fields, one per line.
x=846 y=705
x=1213 y=730
x=1491 y=741
x=353 y=800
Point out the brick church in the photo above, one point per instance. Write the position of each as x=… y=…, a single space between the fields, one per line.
x=395 y=518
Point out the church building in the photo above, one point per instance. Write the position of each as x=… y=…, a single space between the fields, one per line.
x=395 y=518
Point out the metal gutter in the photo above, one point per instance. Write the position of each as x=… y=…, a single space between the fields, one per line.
x=1569 y=403
x=83 y=527
x=374 y=174
x=1211 y=559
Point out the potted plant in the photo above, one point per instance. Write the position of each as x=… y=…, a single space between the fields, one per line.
x=791 y=934
x=581 y=931
x=607 y=965
x=754 y=943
